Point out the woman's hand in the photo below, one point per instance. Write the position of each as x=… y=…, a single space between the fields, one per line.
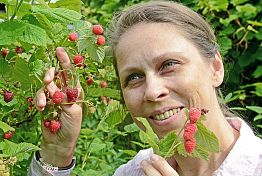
x=58 y=149
x=157 y=166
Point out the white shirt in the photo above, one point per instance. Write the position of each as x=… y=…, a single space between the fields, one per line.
x=245 y=158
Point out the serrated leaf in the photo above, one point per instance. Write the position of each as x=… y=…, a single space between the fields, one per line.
x=116 y=116
x=42 y=19
x=151 y=138
x=167 y=144
x=21 y=73
x=96 y=145
x=131 y=128
x=206 y=138
x=34 y=35
x=5 y=127
x=4 y=68
x=10 y=31
x=13 y=149
x=60 y=15
x=68 y=4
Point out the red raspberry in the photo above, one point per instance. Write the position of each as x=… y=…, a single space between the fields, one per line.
x=97 y=29
x=89 y=81
x=189 y=131
x=72 y=94
x=18 y=50
x=47 y=123
x=8 y=135
x=103 y=84
x=4 y=52
x=194 y=114
x=58 y=97
x=54 y=126
x=190 y=145
x=100 y=40
x=8 y=96
x=78 y=60
x=73 y=36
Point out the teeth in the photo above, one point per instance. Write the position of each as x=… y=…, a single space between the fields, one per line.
x=166 y=115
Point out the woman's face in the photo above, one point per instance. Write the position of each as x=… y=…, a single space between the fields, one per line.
x=161 y=72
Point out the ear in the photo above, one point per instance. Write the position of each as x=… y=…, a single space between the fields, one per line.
x=217 y=70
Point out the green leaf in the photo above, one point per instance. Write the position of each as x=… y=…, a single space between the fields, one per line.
x=258 y=72
x=21 y=73
x=96 y=145
x=150 y=137
x=258 y=117
x=206 y=138
x=247 y=10
x=167 y=145
x=254 y=23
x=68 y=4
x=116 y=116
x=10 y=31
x=34 y=35
x=257 y=109
x=13 y=149
x=237 y=2
x=131 y=128
x=60 y=15
x=98 y=92
x=5 y=127
x=4 y=68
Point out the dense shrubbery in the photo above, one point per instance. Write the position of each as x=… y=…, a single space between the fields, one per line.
x=108 y=136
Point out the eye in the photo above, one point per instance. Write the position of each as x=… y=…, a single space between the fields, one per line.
x=168 y=65
x=132 y=78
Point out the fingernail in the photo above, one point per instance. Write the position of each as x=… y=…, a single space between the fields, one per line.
x=154 y=157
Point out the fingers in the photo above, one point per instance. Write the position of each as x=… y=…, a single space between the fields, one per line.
x=49 y=83
x=40 y=101
x=158 y=166
x=63 y=58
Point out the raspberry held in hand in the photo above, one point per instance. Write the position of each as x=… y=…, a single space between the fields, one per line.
x=97 y=29
x=72 y=94
x=58 y=97
x=194 y=114
x=78 y=60
x=54 y=126
x=47 y=123
x=8 y=96
x=73 y=36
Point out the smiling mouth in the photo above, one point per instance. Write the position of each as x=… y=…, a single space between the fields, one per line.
x=166 y=115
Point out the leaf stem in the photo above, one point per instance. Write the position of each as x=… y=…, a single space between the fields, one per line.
x=18 y=5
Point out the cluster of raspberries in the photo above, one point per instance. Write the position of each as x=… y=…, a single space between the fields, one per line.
x=191 y=129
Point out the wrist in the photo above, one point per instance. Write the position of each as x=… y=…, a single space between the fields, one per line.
x=58 y=156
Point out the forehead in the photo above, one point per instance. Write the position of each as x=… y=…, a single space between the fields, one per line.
x=151 y=40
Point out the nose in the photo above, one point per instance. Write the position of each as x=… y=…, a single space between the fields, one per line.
x=156 y=89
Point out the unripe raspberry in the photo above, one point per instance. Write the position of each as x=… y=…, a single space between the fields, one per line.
x=73 y=36
x=58 y=97
x=190 y=145
x=97 y=29
x=194 y=114
x=100 y=40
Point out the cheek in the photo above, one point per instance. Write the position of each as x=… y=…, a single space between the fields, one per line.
x=133 y=101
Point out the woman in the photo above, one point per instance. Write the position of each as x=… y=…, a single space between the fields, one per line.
x=166 y=58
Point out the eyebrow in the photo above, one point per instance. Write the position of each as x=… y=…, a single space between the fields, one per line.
x=155 y=60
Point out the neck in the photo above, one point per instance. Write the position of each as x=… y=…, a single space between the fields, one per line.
x=227 y=136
